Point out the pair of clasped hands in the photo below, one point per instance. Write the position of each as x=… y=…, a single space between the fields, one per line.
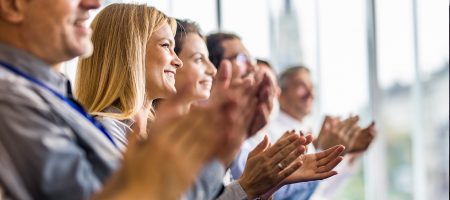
x=177 y=146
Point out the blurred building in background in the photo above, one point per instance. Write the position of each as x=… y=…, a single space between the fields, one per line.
x=287 y=49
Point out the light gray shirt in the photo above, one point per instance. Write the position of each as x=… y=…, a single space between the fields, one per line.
x=56 y=152
x=11 y=187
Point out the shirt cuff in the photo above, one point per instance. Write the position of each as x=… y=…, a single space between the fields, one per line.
x=233 y=191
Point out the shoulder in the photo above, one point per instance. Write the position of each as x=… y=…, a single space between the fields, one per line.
x=17 y=91
x=116 y=128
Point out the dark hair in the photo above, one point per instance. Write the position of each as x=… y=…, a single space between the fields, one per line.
x=184 y=27
x=287 y=74
x=215 y=48
x=264 y=62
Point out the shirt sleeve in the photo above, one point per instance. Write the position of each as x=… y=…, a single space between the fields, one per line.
x=209 y=183
x=43 y=150
x=117 y=129
x=233 y=191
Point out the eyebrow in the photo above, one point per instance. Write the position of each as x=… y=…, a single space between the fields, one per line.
x=197 y=53
x=171 y=40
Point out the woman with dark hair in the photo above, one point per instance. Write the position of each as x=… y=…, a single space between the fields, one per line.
x=267 y=167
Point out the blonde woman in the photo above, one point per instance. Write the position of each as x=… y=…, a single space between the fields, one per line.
x=133 y=63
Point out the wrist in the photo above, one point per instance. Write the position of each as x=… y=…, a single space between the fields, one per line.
x=247 y=189
x=315 y=143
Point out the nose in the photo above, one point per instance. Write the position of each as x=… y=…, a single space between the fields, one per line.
x=90 y=4
x=210 y=69
x=251 y=67
x=176 y=61
x=310 y=91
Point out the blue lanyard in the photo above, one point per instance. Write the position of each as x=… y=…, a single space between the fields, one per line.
x=71 y=103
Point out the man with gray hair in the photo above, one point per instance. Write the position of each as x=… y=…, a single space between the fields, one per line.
x=296 y=102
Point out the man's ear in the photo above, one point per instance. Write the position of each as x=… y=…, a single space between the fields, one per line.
x=13 y=11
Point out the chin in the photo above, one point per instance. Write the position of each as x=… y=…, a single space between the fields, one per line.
x=204 y=96
x=170 y=90
x=88 y=50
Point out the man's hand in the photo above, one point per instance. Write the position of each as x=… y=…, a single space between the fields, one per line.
x=244 y=91
x=336 y=132
x=363 y=138
x=265 y=95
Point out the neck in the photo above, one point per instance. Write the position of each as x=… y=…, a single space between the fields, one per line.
x=292 y=113
x=185 y=105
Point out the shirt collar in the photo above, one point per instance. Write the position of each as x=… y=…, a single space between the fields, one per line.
x=112 y=109
x=289 y=121
x=34 y=67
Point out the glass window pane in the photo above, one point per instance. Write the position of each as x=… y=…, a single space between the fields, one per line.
x=250 y=20
x=396 y=75
x=433 y=41
x=343 y=70
x=204 y=12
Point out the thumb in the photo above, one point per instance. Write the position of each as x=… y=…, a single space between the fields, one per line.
x=309 y=138
x=260 y=147
x=326 y=125
x=223 y=77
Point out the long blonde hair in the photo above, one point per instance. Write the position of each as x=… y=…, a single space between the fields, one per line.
x=115 y=73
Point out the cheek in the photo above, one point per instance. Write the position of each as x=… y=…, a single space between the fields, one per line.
x=301 y=91
x=165 y=58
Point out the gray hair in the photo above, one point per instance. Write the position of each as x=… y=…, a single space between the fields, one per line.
x=287 y=74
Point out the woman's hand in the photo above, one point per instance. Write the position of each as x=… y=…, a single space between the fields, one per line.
x=267 y=166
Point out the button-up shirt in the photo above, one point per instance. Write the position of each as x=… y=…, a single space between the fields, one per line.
x=56 y=151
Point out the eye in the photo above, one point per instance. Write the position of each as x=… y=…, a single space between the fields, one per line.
x=198 y=59
x=165 y=45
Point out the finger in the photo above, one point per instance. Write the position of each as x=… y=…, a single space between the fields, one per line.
x=371 y=129
x=260 y=147
x=223 y=77
x=348 y=124
x=309 y=138
x=289 y=170
x=326 y=125
x=325 y=153
x=286 y=139
x=246 y=116
x=285 y=152
x=287 y=160
x=331 y=155
x=331 y=165
x=325 y=175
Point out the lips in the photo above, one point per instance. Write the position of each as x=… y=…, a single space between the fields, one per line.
x=206 y=82
x=81 y=26
x=170 y=72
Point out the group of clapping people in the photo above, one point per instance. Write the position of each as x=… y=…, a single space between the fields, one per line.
x=158 y=112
